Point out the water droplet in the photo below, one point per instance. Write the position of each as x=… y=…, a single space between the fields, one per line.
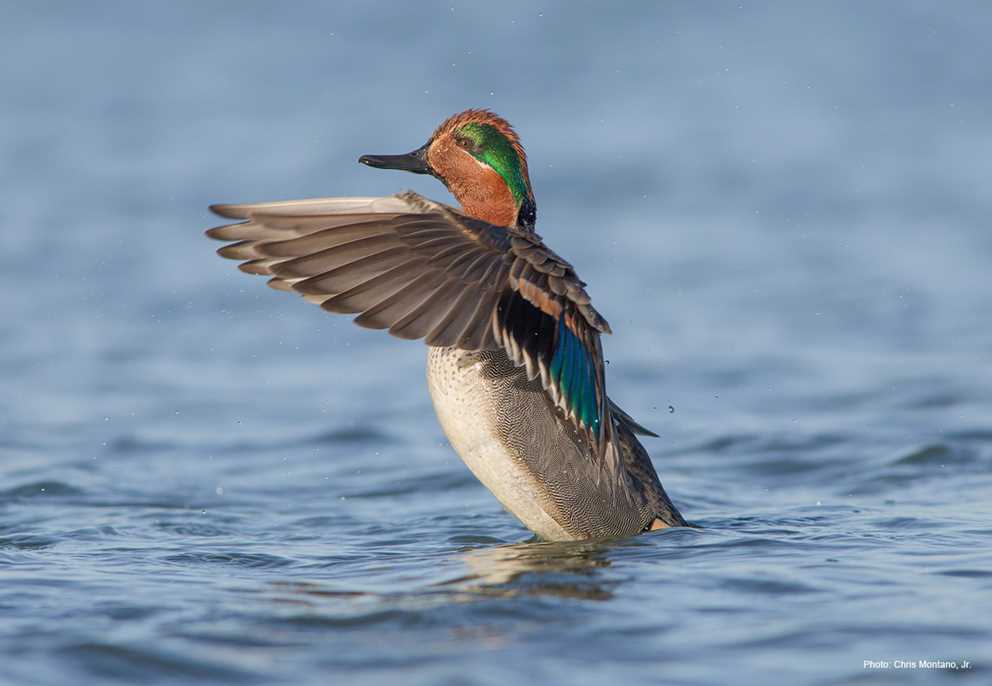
x=671 y=409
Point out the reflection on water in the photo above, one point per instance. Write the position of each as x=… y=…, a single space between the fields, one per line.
x=561 y=569
x=564 y=569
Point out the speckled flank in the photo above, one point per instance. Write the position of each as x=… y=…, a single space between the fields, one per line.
x=464 y=403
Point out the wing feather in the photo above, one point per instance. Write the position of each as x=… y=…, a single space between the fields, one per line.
x=341 y=277
x=423 y=270
x=369 y=293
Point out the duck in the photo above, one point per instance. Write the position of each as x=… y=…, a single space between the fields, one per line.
x=515 y=365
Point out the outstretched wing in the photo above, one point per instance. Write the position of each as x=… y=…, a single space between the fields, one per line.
x=423 y=270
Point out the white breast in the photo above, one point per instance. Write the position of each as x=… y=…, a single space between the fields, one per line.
x=464 y=401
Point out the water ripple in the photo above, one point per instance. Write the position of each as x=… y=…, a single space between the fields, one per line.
x=39 y=489
x=233 y=559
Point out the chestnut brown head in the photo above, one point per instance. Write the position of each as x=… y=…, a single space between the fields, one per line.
x=478 y=156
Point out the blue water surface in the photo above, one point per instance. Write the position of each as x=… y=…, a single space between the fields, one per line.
x=782 y=208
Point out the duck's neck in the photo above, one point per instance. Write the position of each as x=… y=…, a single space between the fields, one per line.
x=527 y=214
x=490 y=200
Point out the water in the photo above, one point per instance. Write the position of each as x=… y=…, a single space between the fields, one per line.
x=782 y=210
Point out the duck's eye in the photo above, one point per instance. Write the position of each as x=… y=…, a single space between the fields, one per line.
x=465 y=143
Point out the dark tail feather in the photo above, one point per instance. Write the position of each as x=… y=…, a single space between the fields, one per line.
x=630 y=422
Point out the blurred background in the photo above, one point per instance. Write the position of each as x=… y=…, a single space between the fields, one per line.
x=782 y=209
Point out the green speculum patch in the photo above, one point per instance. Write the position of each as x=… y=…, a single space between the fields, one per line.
x=493 y=148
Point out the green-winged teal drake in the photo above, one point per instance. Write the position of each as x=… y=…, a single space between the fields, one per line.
x=514 y=365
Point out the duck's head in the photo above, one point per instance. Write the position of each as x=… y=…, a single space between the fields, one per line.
x=478 y=156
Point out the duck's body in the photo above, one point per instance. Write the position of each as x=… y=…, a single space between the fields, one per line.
x=515 y=367
x=480 y=412
x=509 y=434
